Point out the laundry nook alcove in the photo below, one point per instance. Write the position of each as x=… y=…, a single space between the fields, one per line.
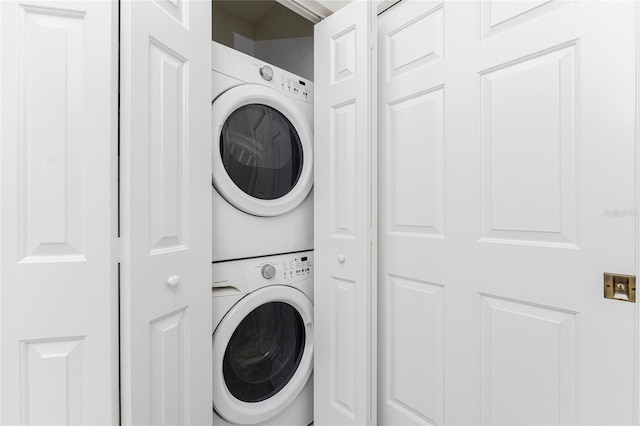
x=392 y=212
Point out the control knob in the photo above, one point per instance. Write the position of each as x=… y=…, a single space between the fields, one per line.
x=268 y=271
x=266 y=72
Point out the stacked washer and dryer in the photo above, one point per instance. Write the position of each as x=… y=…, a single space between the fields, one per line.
x=262 y=291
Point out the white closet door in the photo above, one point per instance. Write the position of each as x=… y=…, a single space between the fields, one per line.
x=58 y=267
x=344 y=287
x=165 y=214
x=508 y=153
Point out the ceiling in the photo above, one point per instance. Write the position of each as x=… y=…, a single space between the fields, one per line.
x=250 y=11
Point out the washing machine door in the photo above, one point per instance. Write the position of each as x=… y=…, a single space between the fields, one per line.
x=262 y=354
x=262 y=151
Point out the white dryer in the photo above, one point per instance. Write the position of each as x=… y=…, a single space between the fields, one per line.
x=262 y=158
x=263 y=341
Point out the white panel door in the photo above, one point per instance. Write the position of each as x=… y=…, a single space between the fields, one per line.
x=165 y=202
x=58 y=228
x=344 y=285
x=507 y=176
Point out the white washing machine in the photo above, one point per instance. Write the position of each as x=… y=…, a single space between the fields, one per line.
x=262 y=158
x=263 y=341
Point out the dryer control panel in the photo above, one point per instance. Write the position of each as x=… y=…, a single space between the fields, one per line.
x=295 y=86
x=252 y=70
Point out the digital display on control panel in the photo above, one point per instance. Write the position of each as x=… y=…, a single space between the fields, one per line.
x=304 y=259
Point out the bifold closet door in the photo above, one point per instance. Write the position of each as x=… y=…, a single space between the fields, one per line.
x=508 y=175
x=165 y=212
x=58 y=212
x=344 y=285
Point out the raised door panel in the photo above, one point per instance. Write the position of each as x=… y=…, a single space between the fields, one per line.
x=416 y=164
x=496 y=16
x=403 y=54
x=59 y=348
x=343 y=348
x=168 y=89
x=343 y=163
x=168 y=362
x=543 y=339
x=52 y=141
x=529 y=153
x=53 y=381
x=414 y=352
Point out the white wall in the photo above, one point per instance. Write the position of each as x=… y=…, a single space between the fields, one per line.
x=225 y=25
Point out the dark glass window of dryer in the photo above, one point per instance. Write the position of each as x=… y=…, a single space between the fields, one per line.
x=264 y=352
x=261 y=151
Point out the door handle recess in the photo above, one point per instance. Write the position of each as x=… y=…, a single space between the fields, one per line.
x=620 y=287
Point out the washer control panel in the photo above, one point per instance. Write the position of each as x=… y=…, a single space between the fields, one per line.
x=285 y=268
x=245 y=275
x=298 y=267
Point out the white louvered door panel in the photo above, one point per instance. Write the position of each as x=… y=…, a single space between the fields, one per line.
x=58 y=228
x=166 y=212
x=344 y=289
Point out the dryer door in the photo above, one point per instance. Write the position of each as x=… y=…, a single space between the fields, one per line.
x=262 y=152
x=262 y=354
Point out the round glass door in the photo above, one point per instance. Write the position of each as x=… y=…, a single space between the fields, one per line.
x=264 y=352
x=261 y=151
x=262 y=157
